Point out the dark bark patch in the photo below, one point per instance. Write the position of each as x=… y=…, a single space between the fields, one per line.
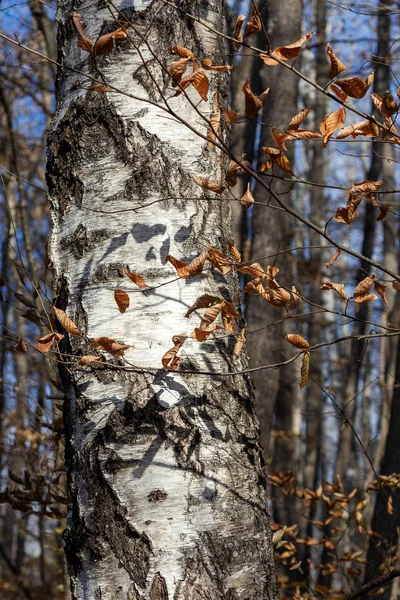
x=158 y=588
x=157 y=496
x=82 y=241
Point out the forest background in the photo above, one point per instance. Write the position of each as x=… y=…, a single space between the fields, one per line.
x=332 y=446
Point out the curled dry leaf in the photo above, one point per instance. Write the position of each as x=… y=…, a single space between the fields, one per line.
x=333 y=121
x=337 y=287
x=339 y=93
x=364 y=285
x=237 y=33
x=254 y=269
x=297 y=341
x=386 y=104
x=337 y=66
x=278 y=158
x=122 y=300
x=346 y=214
x=45 y=343
x=240 y=341
x=230 y=117
x=170 y=360
x=279 y=138
x=305 y=367
x=137 y=279
x=383 y=210
x=84 y=41
x=201 y=335
x=204 y=301
x=207 y=65
x=235 y=254
x=218 y=260
x=184 y=269
x=66 y=322
x=253 y=103
x=215 y=121
x=183 y=52
x=110 y=345
x=201 y=84
x=177 y=69
x=364 y=187
x=285 y=52
x=299 y=118
x=396 y=285
x=360 y=128
x=206 y=184
x=254 y=24
x=105 y=43
x=247 y=199
x=88 y=359
x=354 y=86
x=302 y=134
x=381 y=291
x=334 y=258
x=363 y=299
x=231 y=174
x=20 y=346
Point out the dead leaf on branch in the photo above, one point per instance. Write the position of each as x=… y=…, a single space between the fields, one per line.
x=285 y=52
x=45 y=343
x=339 y=93
x=177 y=69
x=278 y=158
x=89 y=359
x=297 y=341
x=110 y=345
x=207 y=65
x=122 y=300
x=354 y=86
x=183 y=52
x=360 y=294
x=240 y=341
x=137 y=279
x=337 y=287
x=305 y=367
x=235 y=254
x=253 y=103
x=230 y=117
x=237 y=33
x=247 y=199
x=67 y=323
x=206 y=184
x=183 y=269
x=254 y=24
x=20 y=346
x=383 y=210
x=386 y=104
x=333 y=259
x=170 y=360
x=105 y=43
x=201 y=335
x=333 y=121
x=84 y=41
x=218 y=260
x=381 y=291
x=337 y=66
x=365 y=127
x=299 y=118
x=215 y=122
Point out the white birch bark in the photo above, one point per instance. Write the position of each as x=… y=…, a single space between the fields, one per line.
x=166 y=486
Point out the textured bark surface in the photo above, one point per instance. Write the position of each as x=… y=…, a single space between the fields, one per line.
x=166 y=485
x=271 y=233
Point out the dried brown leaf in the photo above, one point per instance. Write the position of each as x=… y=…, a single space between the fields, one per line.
x=337 y=287
x=105 y=43
x=201 y=84
x=237 y=33
x=215 y=121
x=170 y=360
x=299 y=118
x=45 y=343
x=334 y=258
x=230 y=117
x=67 y=323
x=305 y=367
x=339 y=93
x=346 y=214
x=218 y=260
x=254 y=24
x=137 y=279
x=177 y=69
x=363 y=299
x=354 y=86
x=333 y=121
x=337 y=66
x=240 y=341
x=89 y=358
x=297 y=341
x=20 y=346
x=84 y=41
x=110 y=345
x=364 y=285
x=207 y=65
x=206 y=184
x=247 y=199
x=279 y=158
x=122 y=300
x=381 y=291
x=204 y=301
x=235 y=254
x=183 y=52
x=285 y=52
x=383 y=211
x=252 y=102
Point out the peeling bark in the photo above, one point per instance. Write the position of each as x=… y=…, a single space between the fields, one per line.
x=166 y=482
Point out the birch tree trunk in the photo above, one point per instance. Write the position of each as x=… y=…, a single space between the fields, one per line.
x=166 y=486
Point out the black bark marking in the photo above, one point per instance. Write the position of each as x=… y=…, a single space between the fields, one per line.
x=157 y=496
